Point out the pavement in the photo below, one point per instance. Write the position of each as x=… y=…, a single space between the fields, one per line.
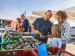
x=71 y=46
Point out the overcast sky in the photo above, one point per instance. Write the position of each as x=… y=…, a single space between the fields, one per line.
x=14 y=8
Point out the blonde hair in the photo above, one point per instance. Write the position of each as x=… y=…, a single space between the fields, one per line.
x=56 y=30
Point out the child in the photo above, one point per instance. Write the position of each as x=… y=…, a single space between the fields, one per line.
x=19 y=27
x=56 y=36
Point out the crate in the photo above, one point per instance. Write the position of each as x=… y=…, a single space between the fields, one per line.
x=33 y=52
x=18 y=53
x=58 y=52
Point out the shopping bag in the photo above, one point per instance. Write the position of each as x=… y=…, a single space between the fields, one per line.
x=42 y=50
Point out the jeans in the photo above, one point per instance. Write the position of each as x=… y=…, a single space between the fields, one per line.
x=63 y=46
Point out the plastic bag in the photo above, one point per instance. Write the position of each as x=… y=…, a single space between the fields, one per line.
x=42 y=50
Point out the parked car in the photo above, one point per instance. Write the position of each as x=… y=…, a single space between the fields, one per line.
x=72 y=31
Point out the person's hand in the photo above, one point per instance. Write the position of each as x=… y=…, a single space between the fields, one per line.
x=49 y=36
x=43 y=38
x=37 y=32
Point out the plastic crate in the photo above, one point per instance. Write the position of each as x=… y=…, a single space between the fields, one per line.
x=33 y=52
x=59 y=52
x=18 y=53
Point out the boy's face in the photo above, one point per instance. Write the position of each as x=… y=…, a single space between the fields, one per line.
x=19 y=20
x=59 y=19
